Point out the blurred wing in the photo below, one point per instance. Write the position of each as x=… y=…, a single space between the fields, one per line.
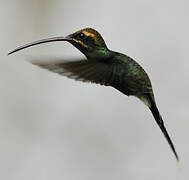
x=83 y=70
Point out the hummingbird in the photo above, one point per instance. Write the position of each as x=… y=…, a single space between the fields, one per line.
x=105 y=67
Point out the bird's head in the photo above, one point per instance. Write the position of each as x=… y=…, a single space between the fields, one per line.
x=87 y=40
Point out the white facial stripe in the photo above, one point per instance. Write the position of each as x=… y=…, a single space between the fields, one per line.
x=80 y=42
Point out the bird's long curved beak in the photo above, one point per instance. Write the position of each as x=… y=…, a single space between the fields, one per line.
x=67 y=38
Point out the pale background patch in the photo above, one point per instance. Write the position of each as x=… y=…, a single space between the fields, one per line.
x=55 y=128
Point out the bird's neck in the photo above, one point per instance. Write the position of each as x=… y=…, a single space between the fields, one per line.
x=100 y=53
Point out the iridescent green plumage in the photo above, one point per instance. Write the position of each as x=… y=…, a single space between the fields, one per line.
x=105 y=67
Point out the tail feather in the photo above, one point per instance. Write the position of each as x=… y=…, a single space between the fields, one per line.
x=160 y=123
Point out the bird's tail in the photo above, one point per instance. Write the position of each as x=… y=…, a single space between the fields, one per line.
x=160 y=123
x=150 y=102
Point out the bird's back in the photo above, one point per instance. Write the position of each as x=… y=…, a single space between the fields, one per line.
x=130 y=77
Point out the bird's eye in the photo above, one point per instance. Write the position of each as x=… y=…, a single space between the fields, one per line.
x=82 y=36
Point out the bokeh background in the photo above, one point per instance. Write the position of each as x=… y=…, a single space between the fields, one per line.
x=52 y=127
